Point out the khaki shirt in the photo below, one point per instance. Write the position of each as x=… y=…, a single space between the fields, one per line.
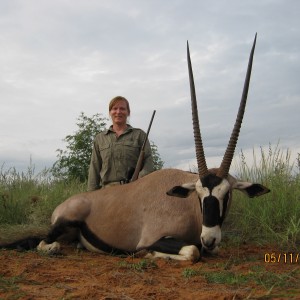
x=112 y=156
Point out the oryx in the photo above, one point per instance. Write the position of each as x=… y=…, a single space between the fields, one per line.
x=160 y=214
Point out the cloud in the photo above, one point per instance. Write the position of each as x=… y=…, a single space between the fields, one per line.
x=59 y=58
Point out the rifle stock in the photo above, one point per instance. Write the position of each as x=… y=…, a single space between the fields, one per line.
x=139 y=164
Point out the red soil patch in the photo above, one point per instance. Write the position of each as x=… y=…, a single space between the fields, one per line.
x=86 y=275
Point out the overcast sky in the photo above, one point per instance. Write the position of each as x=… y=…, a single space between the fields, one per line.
x=59 y=58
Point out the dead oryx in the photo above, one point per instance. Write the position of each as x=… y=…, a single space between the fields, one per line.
x=158 y=215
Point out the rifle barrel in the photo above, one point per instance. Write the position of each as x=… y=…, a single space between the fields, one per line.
x=142 y=152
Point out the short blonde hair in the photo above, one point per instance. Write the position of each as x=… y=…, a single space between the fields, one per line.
x=114 y=100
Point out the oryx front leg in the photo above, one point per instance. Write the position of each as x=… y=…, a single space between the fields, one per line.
x=170 y=248
x=187 y=253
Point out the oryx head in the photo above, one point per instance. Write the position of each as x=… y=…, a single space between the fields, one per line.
x=214 y=186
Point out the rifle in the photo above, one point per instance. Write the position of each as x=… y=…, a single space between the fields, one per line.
x=139 y=164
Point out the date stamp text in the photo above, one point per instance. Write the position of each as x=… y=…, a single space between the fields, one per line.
x=278 y=257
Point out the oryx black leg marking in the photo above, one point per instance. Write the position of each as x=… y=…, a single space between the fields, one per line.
x=98 y=243
x=61 y=226
x=168 y=245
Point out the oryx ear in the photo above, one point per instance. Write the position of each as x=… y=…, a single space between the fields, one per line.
x=251 y=189
x=182 y=191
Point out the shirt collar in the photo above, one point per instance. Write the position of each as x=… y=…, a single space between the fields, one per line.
x=109 y=130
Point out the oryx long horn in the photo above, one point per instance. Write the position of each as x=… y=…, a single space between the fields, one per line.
x=202 y=167
x=228 y=156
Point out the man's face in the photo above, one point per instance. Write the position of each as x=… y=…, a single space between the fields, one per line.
x=119 y=113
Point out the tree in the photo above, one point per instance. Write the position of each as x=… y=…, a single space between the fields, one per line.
x=158 y=163
x=74 y=161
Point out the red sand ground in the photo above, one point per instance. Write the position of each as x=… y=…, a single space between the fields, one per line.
x=85 y=275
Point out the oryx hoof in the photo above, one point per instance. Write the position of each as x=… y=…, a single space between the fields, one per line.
x=50 y=249
x=190 y=253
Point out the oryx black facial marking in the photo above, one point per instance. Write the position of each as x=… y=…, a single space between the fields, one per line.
x=211 y=211
x=210 y=204
x=225 y=204
x=210 y=181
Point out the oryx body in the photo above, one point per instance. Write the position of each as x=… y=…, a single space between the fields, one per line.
x=134 y=216
x=141 y=216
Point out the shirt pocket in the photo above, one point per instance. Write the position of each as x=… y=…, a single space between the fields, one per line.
x=105 y=152
x=131 y=151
